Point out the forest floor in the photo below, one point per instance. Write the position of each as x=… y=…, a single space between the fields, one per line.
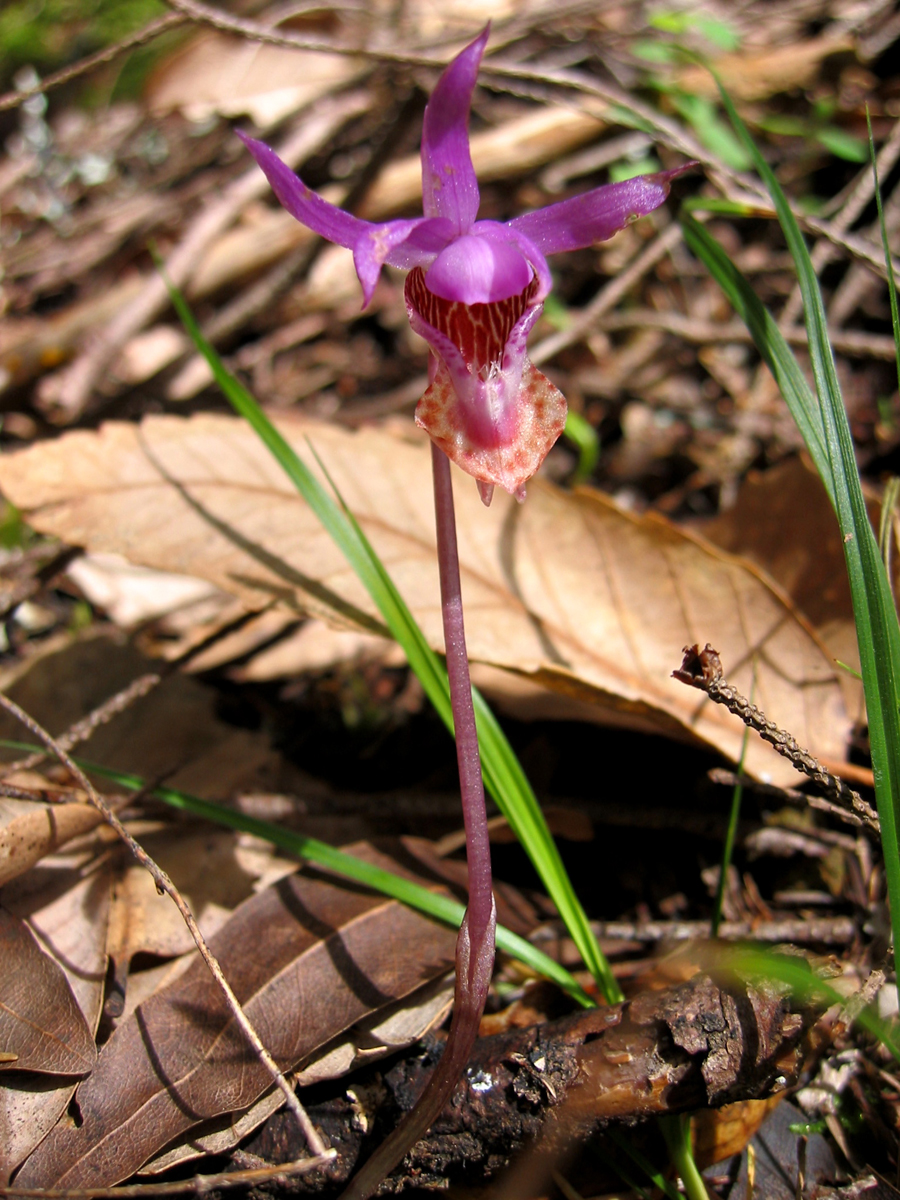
x=146 y=536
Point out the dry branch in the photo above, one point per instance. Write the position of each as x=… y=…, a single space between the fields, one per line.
x=698 y=1045
x=703 y=669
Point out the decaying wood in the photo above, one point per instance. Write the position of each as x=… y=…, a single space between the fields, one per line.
x=702 y=1044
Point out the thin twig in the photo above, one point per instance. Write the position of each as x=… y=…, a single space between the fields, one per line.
x=609 y=296
x=164 y=884
x=268 y=34
x=826 y=931
x=853 y=343
x=107 y=54
x=703 y=669
x=200 y=1185
x=83 y=729
x=502 y=74
x=731 y=779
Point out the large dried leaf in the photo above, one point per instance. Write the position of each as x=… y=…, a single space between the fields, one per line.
x=173 y=733
x=567 y=591
x=783 y=521
x=64 y=900
x=207 y=868
x=307 y=959
x=383 y=1033
x=41 y=1025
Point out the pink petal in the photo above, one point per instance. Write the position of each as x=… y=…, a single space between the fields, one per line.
x=476 y=270
x=302 y=202
x=392 y=242
x=480 y=344
x=449 y=186
x=595 y=216
x=540 y=415
x=488 y=408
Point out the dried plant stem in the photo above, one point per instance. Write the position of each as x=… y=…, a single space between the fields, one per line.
x=703 y=669
x=83 y=729
x=164 y=884
x=150 y=31
x=481 y=911
x=475 y=945
x=200 y=1185
x=729 y=778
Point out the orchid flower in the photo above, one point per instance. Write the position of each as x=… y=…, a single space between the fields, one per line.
x=475 y=288
x=474 y=291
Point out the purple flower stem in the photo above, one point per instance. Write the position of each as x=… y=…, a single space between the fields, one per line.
x=475 y=944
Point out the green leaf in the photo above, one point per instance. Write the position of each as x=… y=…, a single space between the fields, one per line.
x=629 y=168
x=720 y=34
x=655 y=52
x=784 y=125
x=586 y=440
x=844 y=145
x=701 y=113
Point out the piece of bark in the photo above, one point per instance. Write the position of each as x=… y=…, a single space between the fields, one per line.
x=703 y=1044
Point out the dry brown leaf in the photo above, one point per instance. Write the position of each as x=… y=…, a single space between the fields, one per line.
x=393 y=1029
x=565 y=591
x=219 y=74
x=316 y=647
x=307 y=958
x=173 y=733
x=782 y=521
x=207 y=870
x=29 y=829
x=131 y=595
x=41 y=1025
x=65 y=902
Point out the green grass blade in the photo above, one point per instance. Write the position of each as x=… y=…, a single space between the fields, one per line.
x=640 y=1160
x=776 y=353
x=503 y=775
x=796 y=974
x=442 y=908
x=878 y=634
x=586 y=441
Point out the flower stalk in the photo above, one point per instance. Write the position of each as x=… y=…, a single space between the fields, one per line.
x=475 y=944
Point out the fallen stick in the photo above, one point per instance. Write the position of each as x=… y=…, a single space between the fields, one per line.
x=703 y=1044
